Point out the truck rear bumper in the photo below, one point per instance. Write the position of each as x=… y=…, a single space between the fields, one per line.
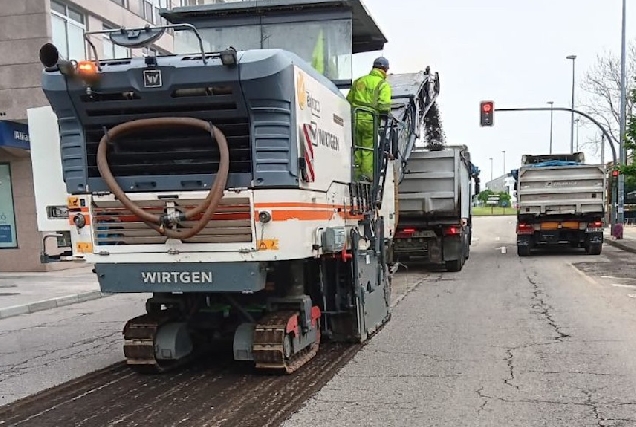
x=181 y=277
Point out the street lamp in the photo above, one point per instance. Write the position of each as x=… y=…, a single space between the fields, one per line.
x=504 y=161
x=573 y=58
x=623 y=151
x=551 y=115
x=491 y=170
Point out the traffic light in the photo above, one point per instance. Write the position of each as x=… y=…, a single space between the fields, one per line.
x=615 y=173
x=486 y=113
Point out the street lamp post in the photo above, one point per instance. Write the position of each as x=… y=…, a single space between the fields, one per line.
x=504 y=161
x=577 y=121
x=573 y=58
x=491 y=170
x=623 y=152
x=551 y=116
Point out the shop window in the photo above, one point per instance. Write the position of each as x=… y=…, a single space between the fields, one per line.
x=8 y=233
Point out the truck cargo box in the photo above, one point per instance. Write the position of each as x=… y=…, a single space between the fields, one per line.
x=558 y=187
x=436 y=184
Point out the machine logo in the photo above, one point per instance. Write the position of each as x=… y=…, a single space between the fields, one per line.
x=152 y=78
x=301 y=92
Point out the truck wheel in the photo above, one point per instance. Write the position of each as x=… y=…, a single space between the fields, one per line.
x=594 y=248
x=454 y=266
x=523 y=250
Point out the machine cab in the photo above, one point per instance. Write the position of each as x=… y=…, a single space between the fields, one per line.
x=325 y=33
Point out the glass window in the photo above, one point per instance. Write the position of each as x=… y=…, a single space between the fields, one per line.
x=111 y=50
x=8 y=236
x=68 y=28
x=325 y=45
x=122 y=3
x=149 y=10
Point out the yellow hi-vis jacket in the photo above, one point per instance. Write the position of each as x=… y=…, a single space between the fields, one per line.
x=371 y=91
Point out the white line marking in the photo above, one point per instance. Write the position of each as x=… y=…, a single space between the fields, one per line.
x=497 y=238
x=631 y=295
x=624 y=286
x=609 y=277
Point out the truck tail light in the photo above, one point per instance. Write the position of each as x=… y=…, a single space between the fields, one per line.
x=405 y=233
x=523 y=228
x=453 y=230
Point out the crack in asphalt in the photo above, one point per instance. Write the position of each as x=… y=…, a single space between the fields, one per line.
x=544 y=308
x=511 y=369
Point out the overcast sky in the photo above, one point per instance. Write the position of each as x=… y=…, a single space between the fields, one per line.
x=510 y=51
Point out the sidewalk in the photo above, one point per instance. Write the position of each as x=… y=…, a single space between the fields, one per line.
x=24 y=293
x=627 y=243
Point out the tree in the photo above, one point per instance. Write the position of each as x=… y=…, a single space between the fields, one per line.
x=504 y=199
x=483 y=196
x=602 y=82
x=629 y=170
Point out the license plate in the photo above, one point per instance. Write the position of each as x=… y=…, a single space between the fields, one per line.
x=424 y=233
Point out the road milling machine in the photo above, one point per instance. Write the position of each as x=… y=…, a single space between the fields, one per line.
x=220 y=179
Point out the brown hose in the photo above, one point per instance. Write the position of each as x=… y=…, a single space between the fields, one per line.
x=210 y=203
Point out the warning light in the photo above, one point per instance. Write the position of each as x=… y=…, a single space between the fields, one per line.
x=88 y=70
x=615 y=173
x=486 y=113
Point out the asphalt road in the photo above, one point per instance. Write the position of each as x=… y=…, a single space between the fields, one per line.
x=542 y=341
x=507 y=341
x=46 y=348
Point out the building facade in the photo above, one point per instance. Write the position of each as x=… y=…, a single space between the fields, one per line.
x=25 y=25
x=504 y=183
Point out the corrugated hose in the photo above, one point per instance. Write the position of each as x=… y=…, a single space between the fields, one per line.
x=207 y=207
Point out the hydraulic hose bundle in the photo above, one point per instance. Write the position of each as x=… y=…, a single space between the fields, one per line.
x=158 y=222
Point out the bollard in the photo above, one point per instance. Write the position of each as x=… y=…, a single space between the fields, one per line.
x=617 y=231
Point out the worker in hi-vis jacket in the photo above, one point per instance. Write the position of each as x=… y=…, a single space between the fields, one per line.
x=372 y=91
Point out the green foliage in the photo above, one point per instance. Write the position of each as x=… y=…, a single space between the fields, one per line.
x=483 y=196
x=504 y=197
x=629 y=170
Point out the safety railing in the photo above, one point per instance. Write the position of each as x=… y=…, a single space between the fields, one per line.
x=381 y=131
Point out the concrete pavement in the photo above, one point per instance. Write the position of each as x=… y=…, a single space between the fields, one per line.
x=25 y=293
x=627 y=243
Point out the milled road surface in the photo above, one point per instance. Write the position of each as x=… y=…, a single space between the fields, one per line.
x=47 y=348
x=508 y=341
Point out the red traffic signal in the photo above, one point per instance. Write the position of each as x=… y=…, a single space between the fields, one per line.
x=486 y=113
x=615 y=173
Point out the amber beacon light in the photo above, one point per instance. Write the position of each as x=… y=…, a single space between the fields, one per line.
x=486 y=113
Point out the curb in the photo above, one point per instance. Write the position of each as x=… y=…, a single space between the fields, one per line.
x=17 y=310
x=620 y=246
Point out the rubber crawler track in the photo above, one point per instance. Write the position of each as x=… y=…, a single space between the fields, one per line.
x=219 y=392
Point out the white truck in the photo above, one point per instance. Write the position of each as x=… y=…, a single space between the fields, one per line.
x=434 y=205
x=560 y=202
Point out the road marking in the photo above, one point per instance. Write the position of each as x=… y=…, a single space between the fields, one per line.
x=497 y=238
x=624 y=286
x=610 y=277
x=586 y=277
x=631 y=295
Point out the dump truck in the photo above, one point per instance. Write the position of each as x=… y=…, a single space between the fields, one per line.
x=560 y=203
x=434 y=224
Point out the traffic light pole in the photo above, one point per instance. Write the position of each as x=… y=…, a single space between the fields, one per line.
x=620 y=199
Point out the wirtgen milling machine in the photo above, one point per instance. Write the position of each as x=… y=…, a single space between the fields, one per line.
x=221 y=179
